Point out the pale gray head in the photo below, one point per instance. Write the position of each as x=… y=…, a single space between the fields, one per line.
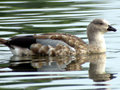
x=95 y=33
x=97 y=28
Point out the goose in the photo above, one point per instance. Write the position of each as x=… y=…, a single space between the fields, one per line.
x=57 y=44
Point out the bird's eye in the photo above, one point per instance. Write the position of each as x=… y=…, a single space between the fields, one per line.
x=101 y=23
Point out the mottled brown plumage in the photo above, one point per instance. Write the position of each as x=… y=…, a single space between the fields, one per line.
x=71 y=40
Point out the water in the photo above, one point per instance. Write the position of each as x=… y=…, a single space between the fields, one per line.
x=94 y=72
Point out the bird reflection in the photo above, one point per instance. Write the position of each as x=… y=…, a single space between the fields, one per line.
x=97 y=68
x=63 y=63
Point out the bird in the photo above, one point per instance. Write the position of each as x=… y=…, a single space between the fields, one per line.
x=60 y=44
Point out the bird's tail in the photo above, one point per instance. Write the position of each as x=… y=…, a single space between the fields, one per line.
x=2 y=41
x=5 y=42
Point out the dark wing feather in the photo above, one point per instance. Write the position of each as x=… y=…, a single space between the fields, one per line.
x=22 y=41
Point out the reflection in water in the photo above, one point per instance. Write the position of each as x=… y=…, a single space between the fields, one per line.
x=97 y=68
x=41 y=63
x=63 y=63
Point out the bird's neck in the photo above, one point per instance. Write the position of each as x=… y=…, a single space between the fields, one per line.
x=96 y=43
